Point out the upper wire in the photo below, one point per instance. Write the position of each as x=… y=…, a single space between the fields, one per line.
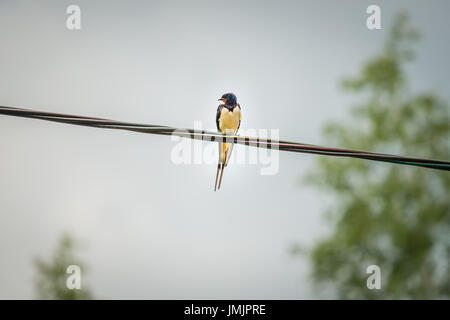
x=219 y=137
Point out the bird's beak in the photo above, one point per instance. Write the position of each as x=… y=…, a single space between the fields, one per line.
x=223 y=100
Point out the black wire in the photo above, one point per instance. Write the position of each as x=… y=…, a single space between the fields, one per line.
x=218 y=137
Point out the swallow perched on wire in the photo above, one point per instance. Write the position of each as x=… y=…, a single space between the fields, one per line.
x=228 y=121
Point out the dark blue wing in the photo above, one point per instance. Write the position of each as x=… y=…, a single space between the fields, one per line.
x=219 y=110
x=241 y=114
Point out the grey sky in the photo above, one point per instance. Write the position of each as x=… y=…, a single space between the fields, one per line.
x=152 y=229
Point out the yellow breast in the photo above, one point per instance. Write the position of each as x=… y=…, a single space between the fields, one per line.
x=229 y=121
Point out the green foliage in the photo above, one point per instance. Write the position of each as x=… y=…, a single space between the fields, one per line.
x=52 y=276
x=394 y=216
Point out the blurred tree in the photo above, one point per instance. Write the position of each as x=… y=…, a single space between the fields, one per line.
x=52 y=276
x=393 y=216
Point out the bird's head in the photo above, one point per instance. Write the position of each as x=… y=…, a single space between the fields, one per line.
x=229 y=99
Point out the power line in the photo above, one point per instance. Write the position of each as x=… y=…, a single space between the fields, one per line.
x=218 y=137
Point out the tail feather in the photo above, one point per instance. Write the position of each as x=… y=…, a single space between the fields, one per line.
x=225 y=149
x=217 y=175
x=228 y=153
x=221 y=174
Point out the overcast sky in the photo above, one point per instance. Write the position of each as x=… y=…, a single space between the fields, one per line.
x=151 y=228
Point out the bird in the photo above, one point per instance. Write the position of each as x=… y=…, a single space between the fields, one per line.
x=228 y=121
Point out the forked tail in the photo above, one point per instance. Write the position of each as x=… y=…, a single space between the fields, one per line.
x=224 y=155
